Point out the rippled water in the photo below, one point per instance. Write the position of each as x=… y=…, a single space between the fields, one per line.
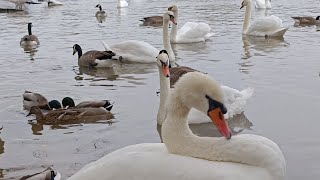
x=284 y=74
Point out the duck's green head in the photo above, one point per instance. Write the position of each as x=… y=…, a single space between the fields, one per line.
x=68 y=102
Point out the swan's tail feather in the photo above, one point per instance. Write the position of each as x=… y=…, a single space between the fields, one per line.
x=106 y=46
x=207 y=36
x=280 y=33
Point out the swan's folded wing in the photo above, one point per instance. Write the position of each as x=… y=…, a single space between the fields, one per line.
x=266 y=24
x=192 y=30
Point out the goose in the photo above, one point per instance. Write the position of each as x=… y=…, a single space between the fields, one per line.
x=54 y=3
x=142 y=52
x=268 y=26
x=34 y=99
x=100 y=13
x=93 y=58
x=185 y=156
x=56 y=116
x=263 y=4
x=30 y=39
x=69 y=102
x=235 y=100
x=155 y=21
x=307 y=20
x=190 y=32
x=122 y=3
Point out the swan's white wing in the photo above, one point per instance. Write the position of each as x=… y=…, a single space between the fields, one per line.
x=193 y=32
x=134 y=51
x=234 y=100
x=260 y=4
x=267 y=25
x=152 y=161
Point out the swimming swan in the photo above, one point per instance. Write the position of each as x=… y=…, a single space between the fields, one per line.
x=263 y=4
x=190 y=32
x=234 y=99
x=268 y=26
x=185 y=156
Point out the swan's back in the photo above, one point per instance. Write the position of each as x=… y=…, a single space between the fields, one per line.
x=193 y=32
x=152 y=161
x=267 y=25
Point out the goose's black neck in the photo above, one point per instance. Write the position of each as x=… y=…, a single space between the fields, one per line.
x=318 y=18
x=78 y=48
x=100 y=8
x=29 y=29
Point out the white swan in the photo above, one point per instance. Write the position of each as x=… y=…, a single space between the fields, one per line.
x=190 y=32
x=263 y=4
x=269 y=26
x=142 y=52
x=122 y=3
x=54 y=3
x=234 y=100
x=185 y=156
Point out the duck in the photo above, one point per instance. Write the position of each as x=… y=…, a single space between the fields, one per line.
x=34 y=99
x=185 y=156
x=268 y=26
x=54 y=3
x=94 y=58
x=30 y=39
x=100 y=13
x=142 y=52
x=59 y=116
x=69 y=102
x=234 y=99
x=190 y=32
x=263 y=4
x=308 y=20
x=152 y=21
x=122 y=3
x=47 y=174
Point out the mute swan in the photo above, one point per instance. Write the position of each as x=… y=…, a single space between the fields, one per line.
x=122 y=3
x=54 y=3
x=269 y=26
x=29 y=40
x=93 y=58
x=263 y=4
x=235 y=100
x=307 y=20
x=142 y=52
x=100 y=13
x=185 y=156
x=190 y=32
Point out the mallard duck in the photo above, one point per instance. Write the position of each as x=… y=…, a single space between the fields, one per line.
x=47 y=174
x=94 y=58
x=100 y=13
x=56 y=116
x=34 y=99
x=69 y=102
x=29 y=39
x=307 y=20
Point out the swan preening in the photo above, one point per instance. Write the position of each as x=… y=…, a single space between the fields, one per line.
x=263 y=4
x=190 y=32
x=235 y=100
x=268 y=26
x=140 y=51
x=184 y=155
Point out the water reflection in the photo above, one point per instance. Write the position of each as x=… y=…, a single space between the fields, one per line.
x=31 y=50
x=237 y=124
x=122 y=11
x=101 y=19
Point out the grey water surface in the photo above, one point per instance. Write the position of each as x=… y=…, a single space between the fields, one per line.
x=284 y=73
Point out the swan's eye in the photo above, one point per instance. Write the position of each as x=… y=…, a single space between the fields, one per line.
x=213 y=104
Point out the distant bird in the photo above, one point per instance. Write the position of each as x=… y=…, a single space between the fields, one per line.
x=122 y=3
x=20 y=3
x=307 y=20
x=29 y=40
x=54 y=3
x=100 y=13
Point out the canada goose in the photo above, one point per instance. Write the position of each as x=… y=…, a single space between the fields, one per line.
x=307 y=20
x=100 y=13
x=93 y=58
x=56 y=116
x=29 y=39
x=34 y=99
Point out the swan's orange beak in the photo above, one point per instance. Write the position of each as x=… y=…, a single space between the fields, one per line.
x=217 y=118
x=165 y=70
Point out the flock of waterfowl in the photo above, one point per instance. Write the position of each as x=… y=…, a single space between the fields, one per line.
x=186 y=96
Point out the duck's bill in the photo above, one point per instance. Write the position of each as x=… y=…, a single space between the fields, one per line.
x=165 y=70
x=218 y=119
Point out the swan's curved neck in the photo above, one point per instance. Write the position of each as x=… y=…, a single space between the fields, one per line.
x=29 y=30
x=179 y=139
x=247 y=17
x=166 y=41
x=164 y=92
x=174 y=29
